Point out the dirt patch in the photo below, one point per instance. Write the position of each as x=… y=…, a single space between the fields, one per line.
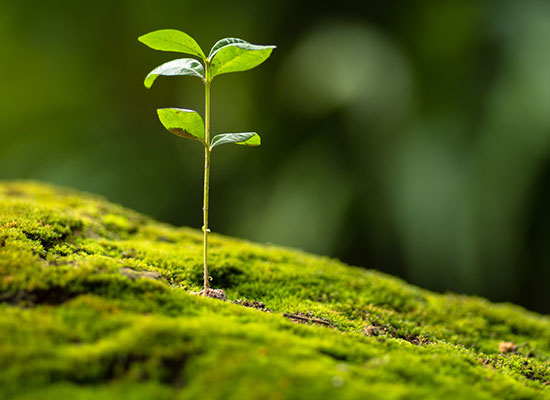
x=258 y=305
x=133 y=274
x=376 y=329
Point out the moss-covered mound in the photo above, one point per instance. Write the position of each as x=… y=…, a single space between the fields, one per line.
x=95 y=304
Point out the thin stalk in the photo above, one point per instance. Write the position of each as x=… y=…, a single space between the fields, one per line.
x=205 y=229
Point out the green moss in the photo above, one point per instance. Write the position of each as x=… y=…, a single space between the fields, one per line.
x=94 y=303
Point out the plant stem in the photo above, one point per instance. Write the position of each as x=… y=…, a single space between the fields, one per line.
x=206 y=172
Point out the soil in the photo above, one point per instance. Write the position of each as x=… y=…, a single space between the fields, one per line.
x=213 y=293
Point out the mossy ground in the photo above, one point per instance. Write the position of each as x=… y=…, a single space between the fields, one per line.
x=95 y=304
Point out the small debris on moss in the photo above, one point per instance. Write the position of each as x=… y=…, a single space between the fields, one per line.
x=507 y=347
x=258 y=305
x=306 y=318
x=375 y=329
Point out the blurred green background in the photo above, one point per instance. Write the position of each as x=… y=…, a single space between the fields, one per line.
x=411 y=137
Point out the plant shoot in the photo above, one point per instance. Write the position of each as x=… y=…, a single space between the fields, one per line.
x=227 y=55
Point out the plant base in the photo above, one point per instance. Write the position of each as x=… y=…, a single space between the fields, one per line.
x=214 y=293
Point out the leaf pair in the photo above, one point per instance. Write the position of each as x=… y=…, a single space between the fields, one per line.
x=189 y=124
x=227 y=55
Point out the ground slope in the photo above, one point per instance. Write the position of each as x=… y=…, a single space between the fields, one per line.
x=95 y=304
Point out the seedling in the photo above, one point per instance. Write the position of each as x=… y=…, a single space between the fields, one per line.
x=227 y=55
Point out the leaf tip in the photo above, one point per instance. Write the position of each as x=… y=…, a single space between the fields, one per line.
x=142 y=39
x=149 y=80
x=161 y=113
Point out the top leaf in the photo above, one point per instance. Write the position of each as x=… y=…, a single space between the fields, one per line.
x=222 y=43
x=234 y=55
x=172 y=40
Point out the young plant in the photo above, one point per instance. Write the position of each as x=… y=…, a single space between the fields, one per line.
x=227 y=55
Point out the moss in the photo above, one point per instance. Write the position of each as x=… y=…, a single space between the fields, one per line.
x=94 y=303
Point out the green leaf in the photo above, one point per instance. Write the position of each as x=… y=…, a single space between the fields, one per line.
x=182 y=122
x=181 y=66
x=237 y=56
x=172 y=40
x=243 y=138
x=222 y=43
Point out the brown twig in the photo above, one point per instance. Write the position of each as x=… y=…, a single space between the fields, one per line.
x=306 y=319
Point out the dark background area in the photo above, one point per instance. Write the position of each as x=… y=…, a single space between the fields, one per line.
x=412 y=137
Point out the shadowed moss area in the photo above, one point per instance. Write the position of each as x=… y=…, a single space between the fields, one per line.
x=95 y=304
